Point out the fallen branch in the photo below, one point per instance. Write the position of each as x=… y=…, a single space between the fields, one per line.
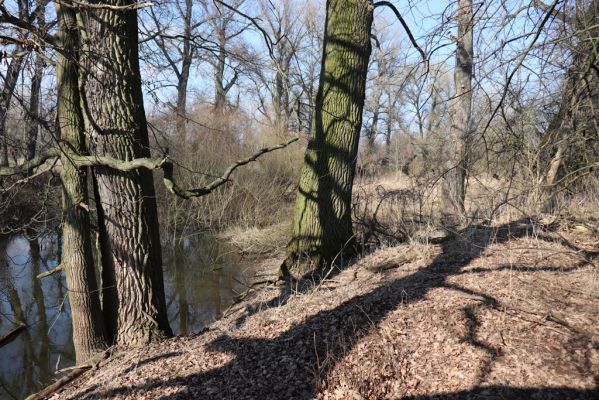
x=12 y=335
x=96 y=362
x=46 y=392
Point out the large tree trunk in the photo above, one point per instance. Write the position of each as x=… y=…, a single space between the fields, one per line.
x=117 y=126
x=461 y=110
x=322 y=227
x=78 y=262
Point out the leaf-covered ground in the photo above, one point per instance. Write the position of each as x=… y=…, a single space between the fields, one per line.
x=505 y=312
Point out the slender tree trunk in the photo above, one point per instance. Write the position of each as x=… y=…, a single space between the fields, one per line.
x=34 y=107
x=36 y=86
x=322 y=226
x=388 y=130
x=460 y=131
x=374 y=126
x=10 y=82
x=186 y=60
x=220 y=96
x=78 y=262
x=113 y=105
x=181 y=120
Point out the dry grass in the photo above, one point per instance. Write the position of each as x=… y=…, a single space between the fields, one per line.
x=259 y=194
x=259 y=241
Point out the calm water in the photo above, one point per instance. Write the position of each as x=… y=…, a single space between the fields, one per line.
x=202 y=276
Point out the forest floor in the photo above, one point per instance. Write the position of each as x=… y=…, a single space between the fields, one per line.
x=491 y=312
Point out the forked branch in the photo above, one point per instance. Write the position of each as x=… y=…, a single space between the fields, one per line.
x=148 y=163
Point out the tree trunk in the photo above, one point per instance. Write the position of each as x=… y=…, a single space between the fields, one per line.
x=460 y=131
x=182 y=99
x=36 y=85
x=78 y=262
x=186 y=60
x=113 y=105
x=322 y=226
x=10 y=81
x=34 y=107
x=220 y=96
x=374 y=126
x=581 y=86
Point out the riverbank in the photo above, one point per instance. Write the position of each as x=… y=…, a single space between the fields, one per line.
x=500 y=312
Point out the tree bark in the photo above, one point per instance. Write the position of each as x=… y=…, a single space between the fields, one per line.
x=582 y=86
x=78 y=262
x=186 y=60
x=116 y=122
x=36 y=85
x=10 y=81
x=322 y=227
x=460 y=131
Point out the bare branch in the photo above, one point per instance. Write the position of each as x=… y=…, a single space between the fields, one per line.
x=227 y=175
x=50 y=273
x=404 y=24
x=138 y=163
x=29 y=165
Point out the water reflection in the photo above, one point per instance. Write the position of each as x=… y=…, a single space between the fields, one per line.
x=202 y=275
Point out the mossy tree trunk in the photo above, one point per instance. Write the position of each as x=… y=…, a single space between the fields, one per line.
x=77 y=260
x=322 y=226
x=116 y=122
x=461 y=111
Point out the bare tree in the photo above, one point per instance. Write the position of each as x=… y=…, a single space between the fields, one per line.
x=225 y=28
x=173 y=41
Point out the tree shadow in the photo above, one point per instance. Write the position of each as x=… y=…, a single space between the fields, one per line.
x=293 y=364
x=512 y=393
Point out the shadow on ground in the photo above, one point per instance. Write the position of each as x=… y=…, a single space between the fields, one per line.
x=291 y=365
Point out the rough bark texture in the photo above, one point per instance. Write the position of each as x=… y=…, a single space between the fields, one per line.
x=461 y=110
x=77 y=260
x=115 y=117
x=322 y=226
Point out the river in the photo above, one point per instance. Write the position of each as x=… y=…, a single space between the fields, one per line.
x=202 y=276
